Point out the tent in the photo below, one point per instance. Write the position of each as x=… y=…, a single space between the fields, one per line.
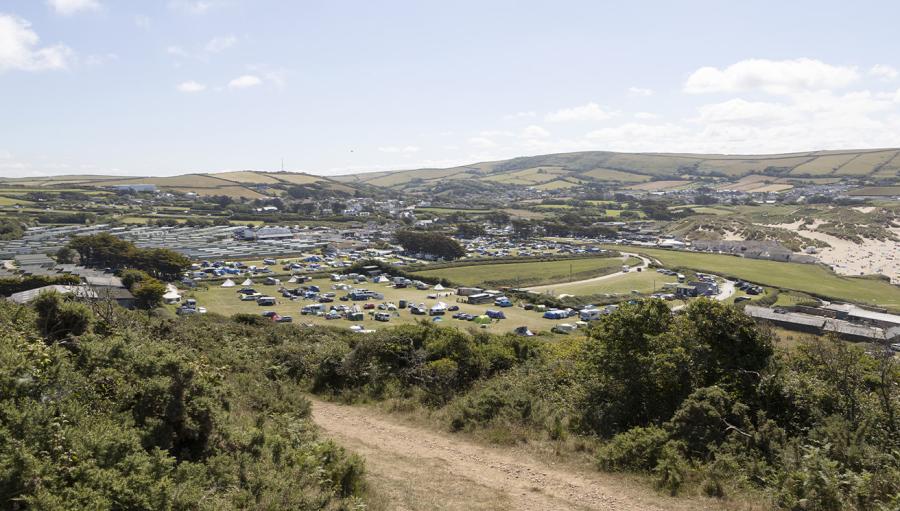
x=171 y=297
x=293 y=279
x=482 y=320
x=228 y=283
x=247 y=282
x=439 y=287
x=381 y=279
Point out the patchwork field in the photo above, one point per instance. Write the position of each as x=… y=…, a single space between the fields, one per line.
x=600 y=166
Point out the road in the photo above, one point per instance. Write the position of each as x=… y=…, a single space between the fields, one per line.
x=645 y=262
x=413 y=467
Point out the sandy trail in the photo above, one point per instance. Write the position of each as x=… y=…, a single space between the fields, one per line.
x=416 y=468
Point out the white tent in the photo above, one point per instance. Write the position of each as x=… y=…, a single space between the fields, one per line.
x=381 y=279
x=172 y=295
x=228 y=283
x=439 y=287
x=247 y=282
x=293 y=279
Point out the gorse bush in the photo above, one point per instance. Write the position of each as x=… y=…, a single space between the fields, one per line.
x=159 y=415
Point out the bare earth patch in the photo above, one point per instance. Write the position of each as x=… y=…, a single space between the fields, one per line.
x=416 y=468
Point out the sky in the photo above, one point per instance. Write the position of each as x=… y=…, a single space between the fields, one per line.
x=164 y=87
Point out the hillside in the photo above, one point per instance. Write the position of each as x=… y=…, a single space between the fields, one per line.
x=773 y=172
x=245 y=184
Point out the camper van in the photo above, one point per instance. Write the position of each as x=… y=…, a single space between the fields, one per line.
x=265 y=301
x=314 y=309
x=590 y=314
x=382 y=316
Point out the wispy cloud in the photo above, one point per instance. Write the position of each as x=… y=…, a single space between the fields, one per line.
x=639 y=91
x=220 y=43
x=587 y=112
x=244 y=82
x=191 y=87
x=69 y=7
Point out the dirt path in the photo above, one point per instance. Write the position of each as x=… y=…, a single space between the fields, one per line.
x=414 y=468
x=645 y=262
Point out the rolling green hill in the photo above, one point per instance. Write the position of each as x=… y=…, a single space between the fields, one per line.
x=772 y=172
x=245 y=184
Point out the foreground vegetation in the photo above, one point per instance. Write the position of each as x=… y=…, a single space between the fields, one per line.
x=700 y=402
x=104 y=409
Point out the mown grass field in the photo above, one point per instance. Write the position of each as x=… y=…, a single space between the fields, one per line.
x=529 y=273
x=808 y=278
x=645 y=282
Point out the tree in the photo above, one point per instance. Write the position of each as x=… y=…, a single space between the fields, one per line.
x=149 y=293
x=131 y=277
x=469 y=230
x=60 y=318
x=11 y=229
x=433 y=243
x=65 y=255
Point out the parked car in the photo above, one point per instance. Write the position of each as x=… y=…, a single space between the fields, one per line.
x=284 y=319
x=453 y=308
x=369 y=306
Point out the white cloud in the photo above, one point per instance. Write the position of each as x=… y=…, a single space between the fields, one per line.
x=191 y=86
x=18 y=48
x=534 y=131
x=520 y=115
x=771 y=76
x=99 y=60
x=741 y=111
x=219 y=44
x=884 y=71
x=178 y=51
x=639 y=91
x=68 y=7
x=588 y=112
x=245 y=81
x=645 y=116
x=482 y=142
x=400 y=149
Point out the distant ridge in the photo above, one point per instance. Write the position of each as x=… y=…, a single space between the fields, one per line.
x=565 y=170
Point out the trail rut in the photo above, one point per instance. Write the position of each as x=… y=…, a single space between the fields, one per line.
x=416 y=468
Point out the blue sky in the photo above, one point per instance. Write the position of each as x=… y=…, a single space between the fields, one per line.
x=165 y=87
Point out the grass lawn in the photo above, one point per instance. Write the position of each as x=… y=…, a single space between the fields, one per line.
x=225 y=301
x=9 y=201
x=645 y=282
x=808 y=278
x=529 y=273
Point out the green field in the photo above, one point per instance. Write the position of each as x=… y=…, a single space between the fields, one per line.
x=529 y=273
x=226 y=301
x=808 y=278
x=645 y=282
